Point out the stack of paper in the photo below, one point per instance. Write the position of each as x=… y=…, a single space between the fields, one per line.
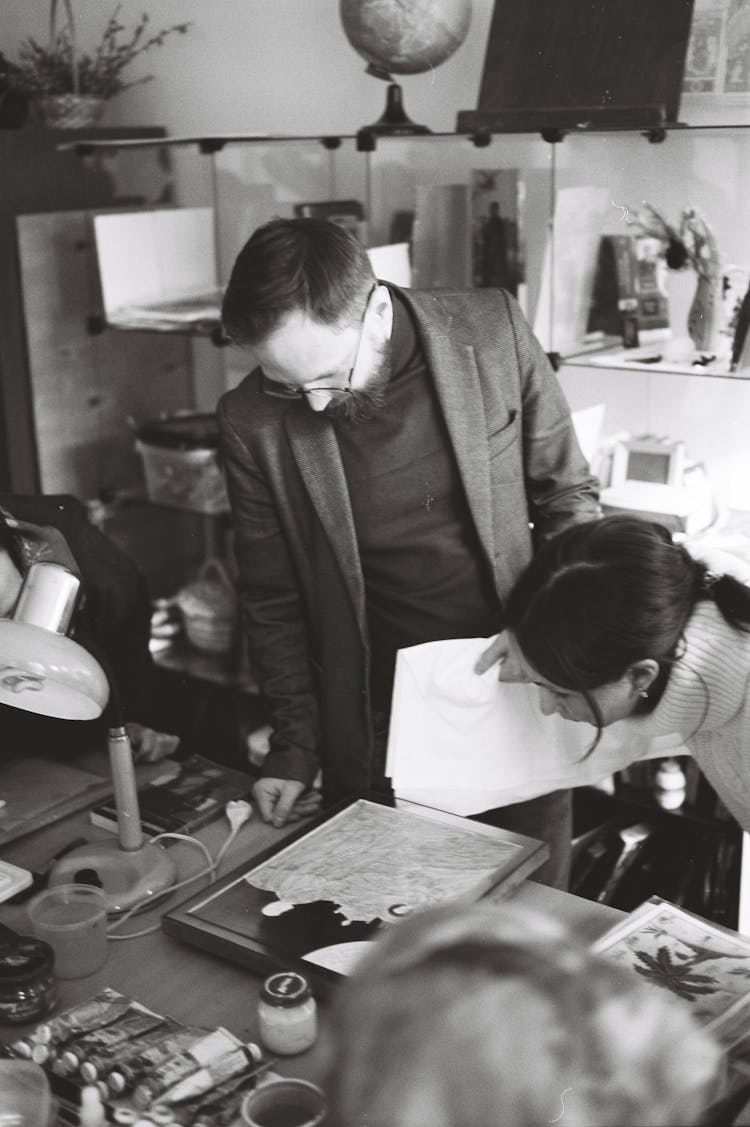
x=465 y=743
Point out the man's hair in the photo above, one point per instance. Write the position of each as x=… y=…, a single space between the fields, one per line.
x=311 y=265
x=466 y=1016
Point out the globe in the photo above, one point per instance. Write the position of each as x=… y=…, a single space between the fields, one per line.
x=405 y=38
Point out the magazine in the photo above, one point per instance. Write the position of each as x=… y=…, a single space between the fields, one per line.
x=181 y=804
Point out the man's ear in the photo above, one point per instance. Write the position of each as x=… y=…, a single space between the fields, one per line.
x=642 y=675
x=382 y=309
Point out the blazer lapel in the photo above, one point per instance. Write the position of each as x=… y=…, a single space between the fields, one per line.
x=316 y=452
x=456 y=378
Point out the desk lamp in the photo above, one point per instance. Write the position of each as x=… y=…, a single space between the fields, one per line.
x=44 y=671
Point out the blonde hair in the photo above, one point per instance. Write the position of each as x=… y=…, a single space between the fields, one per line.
x=493 y=1016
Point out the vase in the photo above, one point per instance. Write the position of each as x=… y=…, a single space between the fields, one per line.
x=70 y=111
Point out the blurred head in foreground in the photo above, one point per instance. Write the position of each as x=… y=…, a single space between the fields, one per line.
x=492 y=1016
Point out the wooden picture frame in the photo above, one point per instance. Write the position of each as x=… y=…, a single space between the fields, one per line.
x=354 y=869
x=705 y=964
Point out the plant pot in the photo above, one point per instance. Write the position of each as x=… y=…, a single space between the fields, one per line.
x=70 y=111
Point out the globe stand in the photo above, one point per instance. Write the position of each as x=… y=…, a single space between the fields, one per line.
x=395 y=121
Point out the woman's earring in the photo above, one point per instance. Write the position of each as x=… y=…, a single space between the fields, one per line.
x=643 y=693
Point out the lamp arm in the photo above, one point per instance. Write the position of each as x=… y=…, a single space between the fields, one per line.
x=125 y=787
x=121 y=766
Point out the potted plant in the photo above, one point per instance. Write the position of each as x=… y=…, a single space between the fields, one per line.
x=70 y=87
x=14 y=97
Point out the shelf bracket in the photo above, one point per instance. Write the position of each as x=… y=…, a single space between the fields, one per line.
x=209 y=145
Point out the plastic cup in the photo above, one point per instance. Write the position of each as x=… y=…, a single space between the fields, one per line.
x=284 y=1103
x=72 y=918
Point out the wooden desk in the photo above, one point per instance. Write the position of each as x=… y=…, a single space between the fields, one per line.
x=197 y=988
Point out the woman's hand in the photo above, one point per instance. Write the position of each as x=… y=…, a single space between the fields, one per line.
x=504 y=652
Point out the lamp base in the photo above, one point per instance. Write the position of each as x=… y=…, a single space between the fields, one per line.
x=126 y=876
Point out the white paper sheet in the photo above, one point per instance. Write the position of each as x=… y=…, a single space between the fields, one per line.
x=568 y=273
x=391 y=263
x=149 y=258
x=464 y=743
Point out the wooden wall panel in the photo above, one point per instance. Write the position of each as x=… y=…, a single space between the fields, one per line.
x=86 y=390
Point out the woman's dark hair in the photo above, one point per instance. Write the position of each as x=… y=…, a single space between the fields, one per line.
x=290 y=264
x=602 y=595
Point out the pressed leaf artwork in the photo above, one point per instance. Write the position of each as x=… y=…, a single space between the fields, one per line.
x=706 y=965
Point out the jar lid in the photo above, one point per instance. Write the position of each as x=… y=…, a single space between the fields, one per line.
x=181 y=432
x=287 y=988
x=24 y=960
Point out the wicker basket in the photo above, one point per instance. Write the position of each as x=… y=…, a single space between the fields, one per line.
x=209 y=609
x=70 y=111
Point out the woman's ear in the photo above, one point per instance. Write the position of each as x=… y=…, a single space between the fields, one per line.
x=642 y=675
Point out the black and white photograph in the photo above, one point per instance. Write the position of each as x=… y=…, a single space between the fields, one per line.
x=374 y=563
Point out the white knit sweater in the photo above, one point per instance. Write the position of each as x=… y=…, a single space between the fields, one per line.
x=707 y=704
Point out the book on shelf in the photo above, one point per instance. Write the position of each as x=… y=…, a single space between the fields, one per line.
x=629 y=286
x=181 y=804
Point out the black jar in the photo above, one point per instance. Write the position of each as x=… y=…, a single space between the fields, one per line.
x=27 y=984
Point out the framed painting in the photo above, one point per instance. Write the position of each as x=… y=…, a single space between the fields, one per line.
x=706 y=965
x=316 y=901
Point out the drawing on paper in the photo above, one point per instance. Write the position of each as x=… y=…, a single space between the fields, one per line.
x=372 y=863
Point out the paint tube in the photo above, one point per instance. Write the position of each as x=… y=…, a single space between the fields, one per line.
x=99 y=1065
x=180 y=1065
x=91 y=1014
x=133 y=1023
x=130 y=1070
x=221 y=1105
x=214 y=1072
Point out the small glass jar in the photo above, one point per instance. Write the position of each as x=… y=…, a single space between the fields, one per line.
x=27 y=985
x=287 y=1014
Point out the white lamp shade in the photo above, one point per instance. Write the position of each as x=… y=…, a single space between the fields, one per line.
x=49 y=674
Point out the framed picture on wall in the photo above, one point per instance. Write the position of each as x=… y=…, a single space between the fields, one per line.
x=498 y=259
x=716 y=83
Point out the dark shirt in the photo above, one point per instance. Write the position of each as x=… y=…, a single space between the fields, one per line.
x=425 y=574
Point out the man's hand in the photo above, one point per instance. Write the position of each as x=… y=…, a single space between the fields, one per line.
x=149 y=746
x=503 y=651
x=284 y=800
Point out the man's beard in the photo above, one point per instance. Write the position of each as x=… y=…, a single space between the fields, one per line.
x=363 y=403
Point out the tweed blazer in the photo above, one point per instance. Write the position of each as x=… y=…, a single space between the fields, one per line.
x=301 y=586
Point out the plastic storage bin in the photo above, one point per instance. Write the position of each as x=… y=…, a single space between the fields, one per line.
x=181 y=463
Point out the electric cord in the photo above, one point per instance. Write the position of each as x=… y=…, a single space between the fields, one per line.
x=238 y=812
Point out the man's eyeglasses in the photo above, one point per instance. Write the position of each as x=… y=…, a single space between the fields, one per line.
x=284 y=391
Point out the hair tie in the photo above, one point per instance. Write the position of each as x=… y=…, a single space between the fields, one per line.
x=709 y=580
